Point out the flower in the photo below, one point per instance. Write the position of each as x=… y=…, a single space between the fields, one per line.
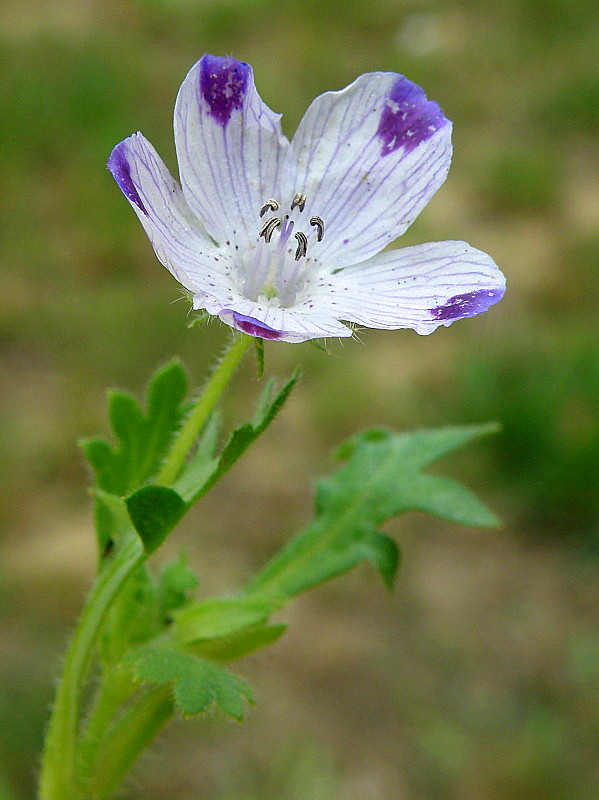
x=283 y=240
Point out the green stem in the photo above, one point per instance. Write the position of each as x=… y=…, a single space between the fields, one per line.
x=115 y=688
x=130 y=735
x=192 y=426
x=58 y=779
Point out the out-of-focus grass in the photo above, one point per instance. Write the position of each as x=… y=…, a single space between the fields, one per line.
x=487 y=705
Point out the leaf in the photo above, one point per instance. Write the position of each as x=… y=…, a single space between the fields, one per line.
x=155 y=510
x=217 y=618
x=381 y=479
x=143 y=439
x=133 y=620
x=197 y=683
x=239 y=644
x=203 y=462
x=197 y=479
x=112 y=520
x=175 y=584
x=145 y=607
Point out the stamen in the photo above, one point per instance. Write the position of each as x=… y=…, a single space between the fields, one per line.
x=319 y=225
x=270 y=205
x=302 y=245
x=299 y=200
x=269 y=228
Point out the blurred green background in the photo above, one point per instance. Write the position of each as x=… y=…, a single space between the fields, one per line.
x=478 y=678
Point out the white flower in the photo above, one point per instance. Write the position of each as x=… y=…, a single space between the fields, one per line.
x=283 y=240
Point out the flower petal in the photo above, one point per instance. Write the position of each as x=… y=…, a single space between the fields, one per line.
x=368 y=158
x=229 y=146
x=271 y=322
x=177 y=237
x=418 y=287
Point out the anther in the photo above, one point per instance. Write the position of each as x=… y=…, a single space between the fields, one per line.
x=299 y=200
x=319 y=225
x=270 y=205
x=269 y=228
x=302 y=245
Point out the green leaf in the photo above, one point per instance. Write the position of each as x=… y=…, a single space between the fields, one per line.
x=175 y=584
x=112 y=520
x=203 y=462
x=239 y=644
x=154 y=511
x=217 y=618
x=381 y=479
x=143 y=439
x=145 y=608
x=133 y=620
x=197 y=479
x=197 y=683
x=382 y=551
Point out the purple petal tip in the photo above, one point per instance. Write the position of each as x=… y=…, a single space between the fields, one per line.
x=408 y=118
x=250 y=325
x=223 y=84
x=121 y=172
x=467 y=305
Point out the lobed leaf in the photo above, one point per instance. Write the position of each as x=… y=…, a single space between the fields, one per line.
x=381 y=478
x=143 y=439
x=197 y=683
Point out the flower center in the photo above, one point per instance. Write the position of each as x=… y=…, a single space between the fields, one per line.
x=277 y=272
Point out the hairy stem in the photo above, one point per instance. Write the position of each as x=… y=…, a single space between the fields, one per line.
x=116 y=687
x=130 y=735
x=58 y=780
x=65 y=770
x=192 y=426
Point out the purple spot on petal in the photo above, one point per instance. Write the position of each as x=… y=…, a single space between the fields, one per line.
x=252 y=326
x=408 y=118
x=121 y=172
x=467 y=305
x=223 y=84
